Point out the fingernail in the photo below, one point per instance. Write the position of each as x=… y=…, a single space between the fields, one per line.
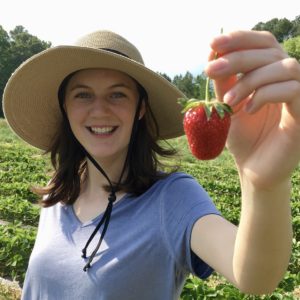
x=221 y=41
x=229 y=97
x=218 y=65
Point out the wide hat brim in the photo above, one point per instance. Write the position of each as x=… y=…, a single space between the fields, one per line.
x=30 y=100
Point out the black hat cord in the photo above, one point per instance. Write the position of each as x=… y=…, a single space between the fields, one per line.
x=114 y=188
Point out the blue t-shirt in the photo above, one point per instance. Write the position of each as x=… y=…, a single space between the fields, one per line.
x=145 y=253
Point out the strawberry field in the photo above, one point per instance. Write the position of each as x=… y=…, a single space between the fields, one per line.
x=22 y=166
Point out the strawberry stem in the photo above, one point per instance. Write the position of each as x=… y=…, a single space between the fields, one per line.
x=207 y=93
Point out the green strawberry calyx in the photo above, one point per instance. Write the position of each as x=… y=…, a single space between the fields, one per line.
x=208 y=106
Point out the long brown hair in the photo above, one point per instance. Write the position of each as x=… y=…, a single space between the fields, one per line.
x=69 y=159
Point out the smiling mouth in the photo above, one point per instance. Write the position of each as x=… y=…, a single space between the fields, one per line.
x=107 y=130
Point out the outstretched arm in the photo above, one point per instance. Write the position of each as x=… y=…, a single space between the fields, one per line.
x=264 y=140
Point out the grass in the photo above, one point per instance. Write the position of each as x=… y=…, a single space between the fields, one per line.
x=22 y=166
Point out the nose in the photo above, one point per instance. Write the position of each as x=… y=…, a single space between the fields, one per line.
x=100 y=107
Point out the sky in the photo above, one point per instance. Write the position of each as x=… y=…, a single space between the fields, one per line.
x=173 y=36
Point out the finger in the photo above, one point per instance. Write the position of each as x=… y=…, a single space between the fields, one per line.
x=286 y=92
x=239 y=40
x=223 y=85
x=242 y=61
x=213 y=55
x=282 y=71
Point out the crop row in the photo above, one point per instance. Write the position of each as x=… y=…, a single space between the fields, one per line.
x=22 y=167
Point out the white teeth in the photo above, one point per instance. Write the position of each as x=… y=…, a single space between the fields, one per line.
x=102 y=130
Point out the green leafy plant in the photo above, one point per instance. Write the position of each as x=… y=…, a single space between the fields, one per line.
x=16 y=244
x=21 y=166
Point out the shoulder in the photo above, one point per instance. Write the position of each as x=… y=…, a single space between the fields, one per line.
x=182 y=196
x=180 y=191
x=52 y=213
x=180 y=184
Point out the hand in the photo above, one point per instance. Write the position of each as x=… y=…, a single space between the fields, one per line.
x=254 y=75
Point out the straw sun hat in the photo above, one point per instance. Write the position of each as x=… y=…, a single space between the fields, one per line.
x=30 y=101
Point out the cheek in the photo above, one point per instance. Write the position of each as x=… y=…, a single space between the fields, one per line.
x=74 y=113
x=128 y=116
x=124 y=112
x=75 y=118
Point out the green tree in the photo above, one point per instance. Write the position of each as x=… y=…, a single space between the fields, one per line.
x=282 y=29
x=4 y=58
x=15 y=48
x=185 y=83
x=192 y=87
x=296 y=26
x=292 y=47
x=165 y=76
x=24 y=45
x=200 y=83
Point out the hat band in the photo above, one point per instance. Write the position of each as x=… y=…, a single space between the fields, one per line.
x=115 y=51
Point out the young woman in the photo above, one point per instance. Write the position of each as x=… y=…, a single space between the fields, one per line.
x=114 y=226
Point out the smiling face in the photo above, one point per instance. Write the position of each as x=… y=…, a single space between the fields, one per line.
x=100 y=105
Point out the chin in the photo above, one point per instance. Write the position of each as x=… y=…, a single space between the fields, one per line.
x=106 y=155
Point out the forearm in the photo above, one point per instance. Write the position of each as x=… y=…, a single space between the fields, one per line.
x=264 y=238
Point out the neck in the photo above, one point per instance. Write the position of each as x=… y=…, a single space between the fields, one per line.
x=93 y=198
x=96 y=180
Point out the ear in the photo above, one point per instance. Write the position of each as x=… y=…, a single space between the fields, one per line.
x=142 y=110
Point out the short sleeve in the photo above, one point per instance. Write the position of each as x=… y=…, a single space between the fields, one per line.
x=183 y=202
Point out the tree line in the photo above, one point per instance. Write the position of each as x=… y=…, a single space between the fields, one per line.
x=282 y=29
x=15 y=47
x=19 y=45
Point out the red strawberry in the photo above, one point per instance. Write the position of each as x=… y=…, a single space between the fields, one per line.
x=206 y=125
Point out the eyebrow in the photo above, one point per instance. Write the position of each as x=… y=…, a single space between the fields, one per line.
x=80 y=86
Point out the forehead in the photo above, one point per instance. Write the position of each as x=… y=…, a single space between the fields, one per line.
x=102 y=75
